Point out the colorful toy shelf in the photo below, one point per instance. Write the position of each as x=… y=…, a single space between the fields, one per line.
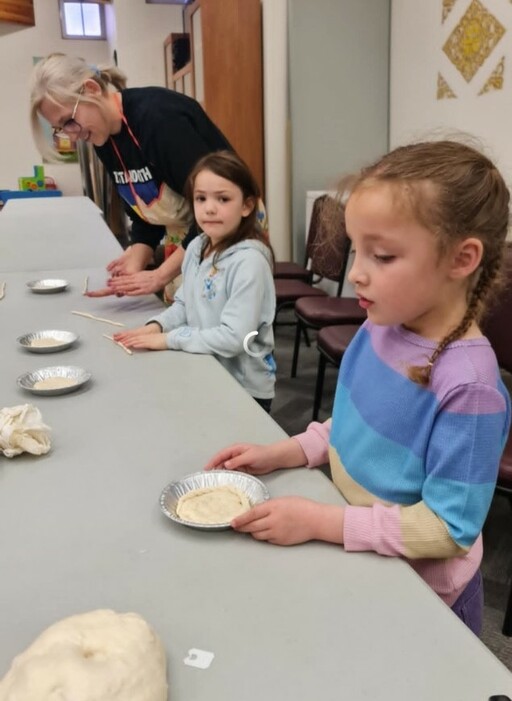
x=35 y=186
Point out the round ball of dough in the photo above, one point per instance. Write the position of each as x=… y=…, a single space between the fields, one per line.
x=96 y=656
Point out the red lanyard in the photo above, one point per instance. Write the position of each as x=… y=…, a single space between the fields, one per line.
x=114 y=146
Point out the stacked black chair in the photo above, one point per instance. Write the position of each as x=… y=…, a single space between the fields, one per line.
x=328 y=254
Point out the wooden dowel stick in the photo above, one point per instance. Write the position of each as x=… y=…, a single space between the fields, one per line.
x=110 y=338
x=98 y=318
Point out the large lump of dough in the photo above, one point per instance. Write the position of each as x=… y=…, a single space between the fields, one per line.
x=96 y=656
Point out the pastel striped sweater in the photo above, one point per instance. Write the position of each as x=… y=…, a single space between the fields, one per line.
x=416 y=465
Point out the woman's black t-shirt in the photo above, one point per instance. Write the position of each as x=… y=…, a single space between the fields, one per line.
x=173 y=132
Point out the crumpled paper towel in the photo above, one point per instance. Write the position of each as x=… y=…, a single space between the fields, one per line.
x=22 y=430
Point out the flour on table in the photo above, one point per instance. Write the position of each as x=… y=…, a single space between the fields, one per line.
x=212 y=504
x=96 y=656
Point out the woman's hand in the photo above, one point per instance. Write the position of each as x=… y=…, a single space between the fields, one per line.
x=102 y=292
x=120 y=268
x=141 y=283
x=258 y=459
x=124 y=265
x=144 y=282
x=129 y=277
x=133 y=260
x=292 y=520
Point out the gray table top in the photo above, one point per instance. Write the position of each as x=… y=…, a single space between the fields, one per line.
x=55 y=240
x=50 y=206
x=81 y=528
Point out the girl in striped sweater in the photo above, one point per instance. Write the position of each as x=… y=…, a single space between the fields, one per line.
x=420 y=416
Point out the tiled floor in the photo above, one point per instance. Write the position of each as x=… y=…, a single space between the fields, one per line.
x=292 y=410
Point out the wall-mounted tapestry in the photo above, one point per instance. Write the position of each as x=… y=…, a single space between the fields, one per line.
x=443 y=89
x=469 y=45
x=447 y=7
x=495 y=80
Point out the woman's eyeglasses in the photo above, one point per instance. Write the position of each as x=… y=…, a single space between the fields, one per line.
x=70 y=126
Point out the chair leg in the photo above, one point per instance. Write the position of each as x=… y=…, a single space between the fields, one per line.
x=319 y=388
x=295 y=359
x=507 y=622
x=306 y=337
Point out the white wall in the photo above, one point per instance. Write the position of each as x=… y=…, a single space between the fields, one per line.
x=18 y=153
x=140 y=31
x=276 y=125
x=417 y=37
x=339 y=74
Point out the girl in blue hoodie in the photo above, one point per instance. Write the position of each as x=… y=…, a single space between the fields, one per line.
x=226 y=304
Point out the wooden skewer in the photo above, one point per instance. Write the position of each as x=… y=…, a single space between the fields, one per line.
x=86 y=285
x=2 y=290
x=110 y=338
x=98 y=318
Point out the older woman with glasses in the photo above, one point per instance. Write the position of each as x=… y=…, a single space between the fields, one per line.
x=148 y=138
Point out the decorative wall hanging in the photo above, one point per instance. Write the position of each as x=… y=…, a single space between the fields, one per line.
x=495 y=80
x=444 y=91
x=447 y=7
x=473 y=39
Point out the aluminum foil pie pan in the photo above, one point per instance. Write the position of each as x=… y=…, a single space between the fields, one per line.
x=47 y=286
x=78 y=376
x=65 y=340
x=254 y=488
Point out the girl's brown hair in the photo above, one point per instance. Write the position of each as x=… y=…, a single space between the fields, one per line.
x=228 y=165
x=456 y=192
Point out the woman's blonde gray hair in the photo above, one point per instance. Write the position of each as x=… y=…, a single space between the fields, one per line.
x=59 y=78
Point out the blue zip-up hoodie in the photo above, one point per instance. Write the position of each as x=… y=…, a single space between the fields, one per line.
x=217 y=307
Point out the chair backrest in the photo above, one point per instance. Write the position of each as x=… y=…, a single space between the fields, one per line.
x=497 y=322
x=328 y=244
